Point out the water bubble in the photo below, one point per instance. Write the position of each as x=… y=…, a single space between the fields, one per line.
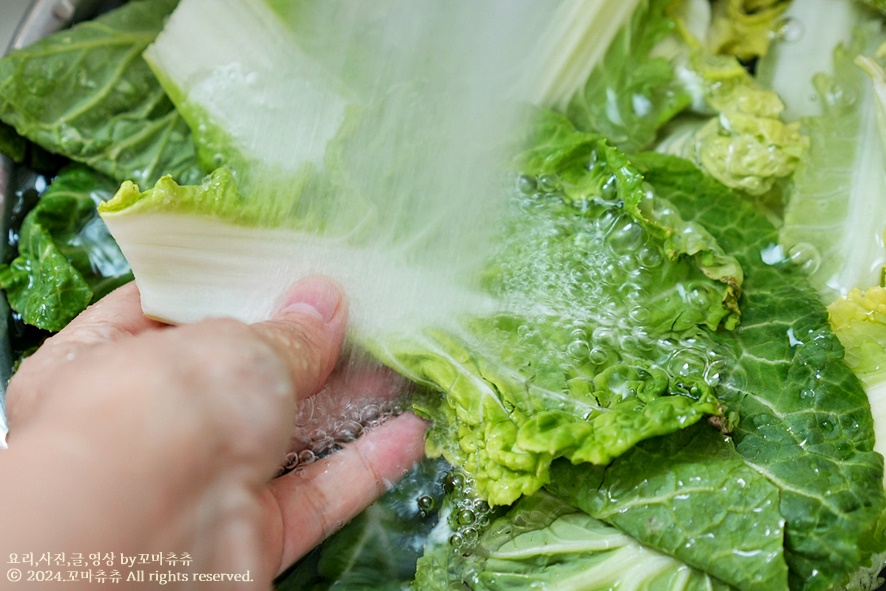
x=470 y=536
x=714 y=371
x=687 y=362
x=650 y=257
x=631 y=291
x=598 y=355
x=426 y=503
x=481 y=506
x=306 y=457
x=456 y=540
x=607 y=220
x=466 y=517
x=455 y=480
x=526 y=333
x=578 y=349
x=322 y=446
x=609 y=193
x=290 y=460
x=788 y=30
x=370 y=413
x=626 y=238
x=526 y=184
x=348 y=431
x=548 y=183
x=640 y=314
x=579 y=333
x=604 y=336
x=700 y=295
x=806 y=256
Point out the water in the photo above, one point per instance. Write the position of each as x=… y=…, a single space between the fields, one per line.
x=360 y=395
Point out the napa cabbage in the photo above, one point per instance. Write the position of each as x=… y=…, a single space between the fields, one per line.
x=66 y=257
x=735 y=129
x=629 y=380
x=834 y=204
x=610 y=313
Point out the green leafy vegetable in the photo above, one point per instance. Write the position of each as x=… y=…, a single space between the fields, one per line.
x=67 y=259
x=746 y=145
x=380 y=547
x=608 y=338
x=11 y=144
x=745 y=28
x=87 y=94
x=544 y=544
x=859 y=320
x=876 y=4
x=26 y=153
x=805 y=419
x=568 y=362
x=832 y=220
x=632 y=92
x=689 y=495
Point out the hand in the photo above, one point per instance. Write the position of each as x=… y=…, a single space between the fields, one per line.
x=128 y=437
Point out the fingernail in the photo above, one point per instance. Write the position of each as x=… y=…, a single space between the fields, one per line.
x=315 y=295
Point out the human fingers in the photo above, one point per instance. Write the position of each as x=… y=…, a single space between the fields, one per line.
x=317 y=500
x=220 y=383
x=307 y=332
x=206 y=409
x=115 y=317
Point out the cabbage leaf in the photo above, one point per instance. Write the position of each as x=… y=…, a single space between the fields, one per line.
x=66 y=257
x=544 y=543
x=805 y=421
x=87 y=94
x=689 y=495
x=859 y=320
x=833 y=219
x=745 y=28
x=593 y=305
x=632 y=91
x=745 y=145
x=554 y=368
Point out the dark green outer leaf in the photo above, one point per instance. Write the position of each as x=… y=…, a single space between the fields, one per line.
x=690 y=495
x=86 y=93
x=379 y=548
x=545 y=544
x=21 y=151
x=805 y=420
x=12 y=145
x=67 y=259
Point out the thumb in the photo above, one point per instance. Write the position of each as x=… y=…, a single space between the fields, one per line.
x=307 y=332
